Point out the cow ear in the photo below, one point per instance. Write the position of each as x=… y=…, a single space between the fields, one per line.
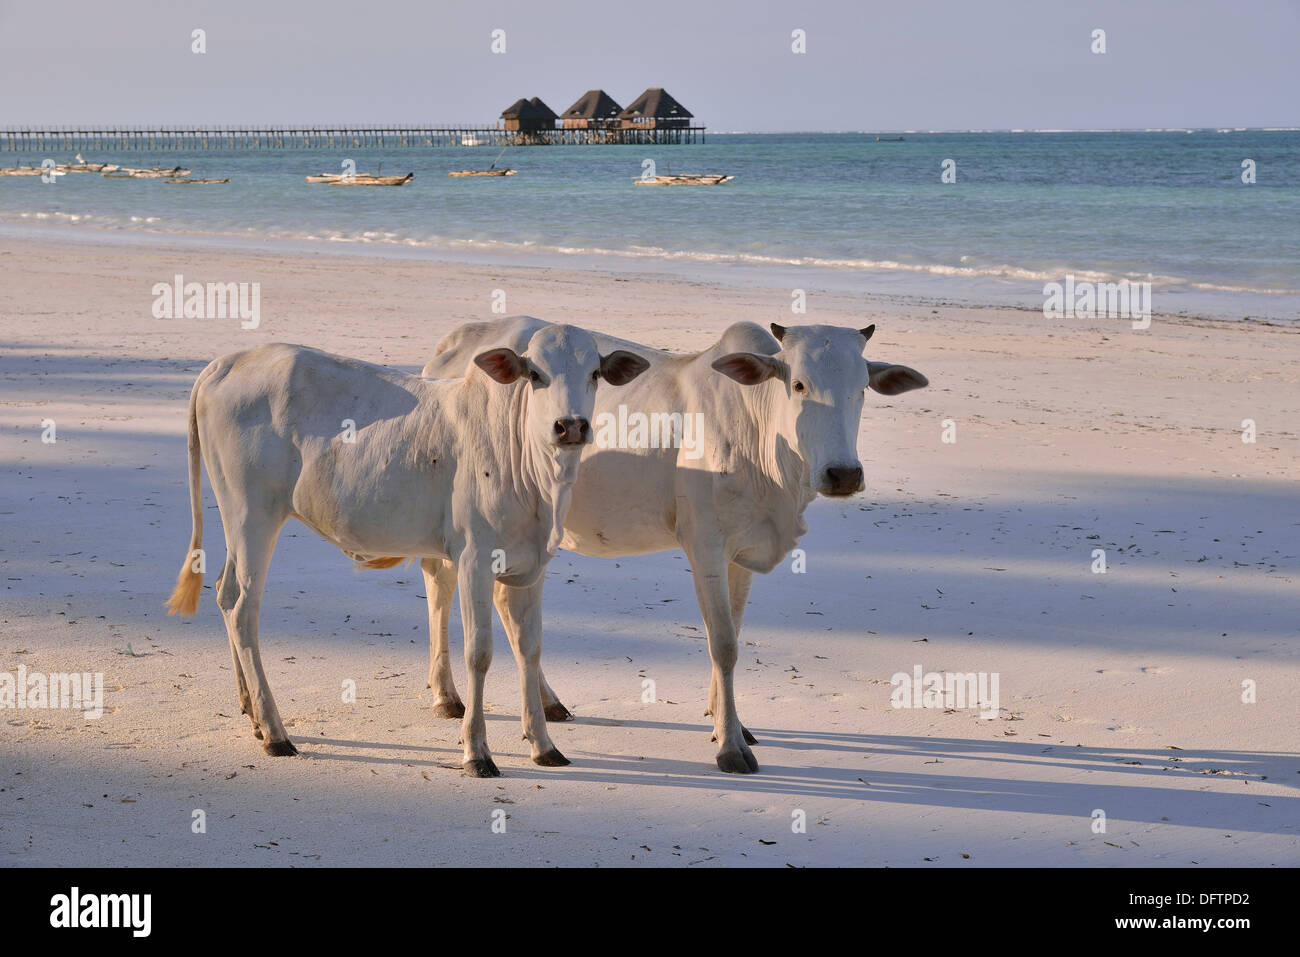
x=779 y=332
x=747 y=368
x=621 y=367
x=503 y=365
x=867 y=332
x=890 y=379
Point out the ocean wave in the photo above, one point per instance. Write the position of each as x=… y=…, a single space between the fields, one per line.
x=1003 y=271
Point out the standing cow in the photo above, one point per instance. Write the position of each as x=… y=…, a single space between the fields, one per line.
x=476 y=472
x=781 y=425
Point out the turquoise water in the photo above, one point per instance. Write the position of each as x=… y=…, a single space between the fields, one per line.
x=838 y=211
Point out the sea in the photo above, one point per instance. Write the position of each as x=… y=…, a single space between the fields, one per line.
x=1209 y=217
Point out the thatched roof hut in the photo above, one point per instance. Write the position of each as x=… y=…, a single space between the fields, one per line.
x=529 y=116
x=654 y=109
x=595 y=109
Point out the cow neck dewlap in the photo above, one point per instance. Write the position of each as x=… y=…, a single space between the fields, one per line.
x=780 y=461
x=545 y=472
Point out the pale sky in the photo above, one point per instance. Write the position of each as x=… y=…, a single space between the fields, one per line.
x=1015 y=64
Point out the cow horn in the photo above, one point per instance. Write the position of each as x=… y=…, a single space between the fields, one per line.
x=778 y=331
x=866 y=333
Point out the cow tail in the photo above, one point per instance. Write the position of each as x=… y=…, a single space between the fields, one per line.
x=189 y=583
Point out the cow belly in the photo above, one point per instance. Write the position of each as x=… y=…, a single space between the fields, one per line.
x=607 y=526
x=609 y=542
x=622 y=503
x=378 y=513
x=357 y=533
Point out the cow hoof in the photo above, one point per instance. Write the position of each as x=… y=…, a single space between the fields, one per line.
x=551 y=759
x=738 y=762
x=481 y=768
x=257 y=732
x=449 y=709
x=558 y=712
x=280 y=749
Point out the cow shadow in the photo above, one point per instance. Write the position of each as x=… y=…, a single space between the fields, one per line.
x=1131 y=784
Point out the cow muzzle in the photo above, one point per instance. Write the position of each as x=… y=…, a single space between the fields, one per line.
x=572 y=430
x=842 y=480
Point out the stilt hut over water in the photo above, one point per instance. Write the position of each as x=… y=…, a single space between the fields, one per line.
x=595 y=110
x=529 y=116
x=655 y=109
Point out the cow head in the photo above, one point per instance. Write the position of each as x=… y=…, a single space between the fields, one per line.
x=562 y=366
x=819 y=378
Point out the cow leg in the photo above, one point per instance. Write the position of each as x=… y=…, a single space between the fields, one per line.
x=249 y=545
x=227 y=600
x=245 y=701
x=714 y=593
x=475 y=581
x=521 y=612
x=551 y=705
x=440 y=588
x=738 y=582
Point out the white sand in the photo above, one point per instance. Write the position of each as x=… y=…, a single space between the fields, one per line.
x=973 y=556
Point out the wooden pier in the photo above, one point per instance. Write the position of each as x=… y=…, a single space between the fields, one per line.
x=56 y=139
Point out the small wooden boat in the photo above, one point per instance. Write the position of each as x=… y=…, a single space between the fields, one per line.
x=127 y=172
x=157 y=173
x=686 y=179
x=490 y=171
x=86 y=168
x=23 y=171
x=325 y=177
x=367 y=180
x=196 y=182
x=889 y=139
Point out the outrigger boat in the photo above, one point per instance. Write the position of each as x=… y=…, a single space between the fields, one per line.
x=157 y=173
x=126 y=172
x=81 y=166
x=360 y=180
x=490 y=171
x=686 y=179
x=196 y=182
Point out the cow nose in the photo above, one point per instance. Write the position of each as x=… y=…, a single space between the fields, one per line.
x=843 y=480
x=572 y=430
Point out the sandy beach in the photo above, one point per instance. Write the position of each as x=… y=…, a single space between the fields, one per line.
x=1121 y=692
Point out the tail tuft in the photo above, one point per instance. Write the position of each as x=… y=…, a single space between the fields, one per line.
x=189 y=585
x=382 y=562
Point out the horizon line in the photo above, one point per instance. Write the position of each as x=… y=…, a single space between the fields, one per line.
x=263 y=126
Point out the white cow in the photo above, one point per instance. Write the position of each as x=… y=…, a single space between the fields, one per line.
x=781 y=426
x=476 y=472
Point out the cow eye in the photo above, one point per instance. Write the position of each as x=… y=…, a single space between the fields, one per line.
x=532 y=374
x=799 y=386
x=595 y=376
